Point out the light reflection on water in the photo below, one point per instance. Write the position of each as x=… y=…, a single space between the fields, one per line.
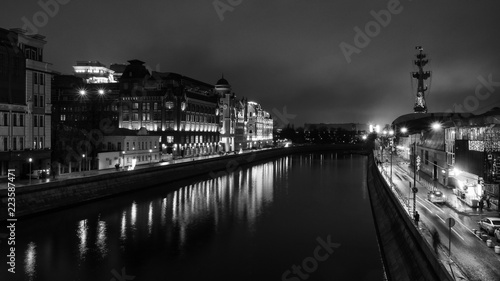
x=101 y=238
x=30 y=261
x=167 y=228
x=82 y=235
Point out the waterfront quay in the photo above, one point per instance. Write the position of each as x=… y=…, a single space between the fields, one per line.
x=45 y=196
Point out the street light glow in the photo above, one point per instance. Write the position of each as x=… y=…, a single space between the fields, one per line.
x=101 y=92
x=391 y=132
x=82 y=92
x=436 y=126
x=404 y=130
x=30 y=160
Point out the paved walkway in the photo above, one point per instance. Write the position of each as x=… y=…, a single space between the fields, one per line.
x=25 y=182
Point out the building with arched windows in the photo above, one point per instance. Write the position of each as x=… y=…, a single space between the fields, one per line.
x=182 y=110
x=243 y=124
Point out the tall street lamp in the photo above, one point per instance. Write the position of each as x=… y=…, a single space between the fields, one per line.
x=83 y=159
x=391 y=142
x=404 y=130
x=30 y=160
x=150 y=157
x=123 y=156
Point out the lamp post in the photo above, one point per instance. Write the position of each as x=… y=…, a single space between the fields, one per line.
x=391 y=133
x=29 y=160
x=150 y=157
x=83 y=159
x=123 y=156
x=404 y=130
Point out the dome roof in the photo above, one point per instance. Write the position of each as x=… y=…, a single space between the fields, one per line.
x=222 y=81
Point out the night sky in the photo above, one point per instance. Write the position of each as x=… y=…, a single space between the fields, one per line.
x=286 y=54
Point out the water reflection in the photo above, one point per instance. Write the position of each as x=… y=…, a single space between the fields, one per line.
x=123 y=227
x=82 y=236
x=101 y=238
x=133 y=215
x=150 y=218
x=205 y=224
x=30 y=261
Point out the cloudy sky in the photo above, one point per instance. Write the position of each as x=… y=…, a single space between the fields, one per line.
x=286 y=55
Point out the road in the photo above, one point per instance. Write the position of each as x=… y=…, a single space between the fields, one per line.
x=477 y=261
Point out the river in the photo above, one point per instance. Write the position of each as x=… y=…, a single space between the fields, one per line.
x=300 y=217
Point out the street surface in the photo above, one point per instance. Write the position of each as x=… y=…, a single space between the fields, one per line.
x=474 y=258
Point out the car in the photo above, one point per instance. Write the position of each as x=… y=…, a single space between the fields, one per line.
x=436 y=196
x=497 y=234
x=490 y=224
x=38 y=174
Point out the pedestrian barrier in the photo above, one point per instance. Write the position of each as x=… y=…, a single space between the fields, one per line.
x=497 y=250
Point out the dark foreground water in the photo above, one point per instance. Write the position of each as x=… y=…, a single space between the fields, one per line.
x=302 y=217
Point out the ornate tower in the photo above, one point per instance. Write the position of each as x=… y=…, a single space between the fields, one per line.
x=420 y=75
x=226 y=111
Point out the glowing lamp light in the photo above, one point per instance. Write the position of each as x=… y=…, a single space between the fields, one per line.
x=101 y=92
x=436 y=126
x=82 y=92
x=404 y=130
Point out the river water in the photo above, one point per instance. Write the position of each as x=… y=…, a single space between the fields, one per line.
x=300 y=217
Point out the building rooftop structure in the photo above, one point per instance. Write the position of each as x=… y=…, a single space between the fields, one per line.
x=94 y=72
x=416 y=122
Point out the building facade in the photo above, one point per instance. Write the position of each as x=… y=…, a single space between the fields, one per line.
x=243 y=124
x=82 y=114
x=25 y=102
x=462 y=152
x=128 y=148
x=182 y=110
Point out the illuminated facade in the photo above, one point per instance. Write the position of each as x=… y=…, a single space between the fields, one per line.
x=128 y=148
x=259 y=127
x=94 y=72
x=243 y=124
x=182 y=110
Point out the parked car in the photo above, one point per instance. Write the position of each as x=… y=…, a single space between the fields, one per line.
x=489 y=224
x=38 y=174
x=436 y=196
x=497 y=234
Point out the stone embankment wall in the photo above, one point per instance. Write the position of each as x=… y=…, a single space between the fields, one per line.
x=406 y=254
x=44 y=197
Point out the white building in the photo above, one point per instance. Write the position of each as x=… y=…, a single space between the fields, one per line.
x=129 y=148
